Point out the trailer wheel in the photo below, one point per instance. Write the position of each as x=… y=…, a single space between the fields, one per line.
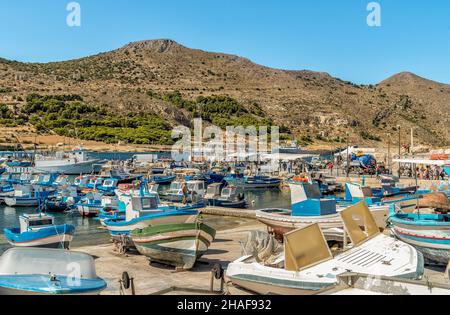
x=126 y=280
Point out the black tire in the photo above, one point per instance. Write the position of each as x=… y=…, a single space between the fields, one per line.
x=218 y=271
x=126 y=280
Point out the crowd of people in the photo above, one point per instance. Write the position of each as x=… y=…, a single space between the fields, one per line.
x=424 y=172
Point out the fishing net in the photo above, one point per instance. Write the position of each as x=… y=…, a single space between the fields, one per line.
x=264 y=248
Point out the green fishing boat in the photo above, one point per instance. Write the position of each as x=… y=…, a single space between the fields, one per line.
x=178 y=245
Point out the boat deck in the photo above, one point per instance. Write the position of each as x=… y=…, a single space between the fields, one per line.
x=156 y=278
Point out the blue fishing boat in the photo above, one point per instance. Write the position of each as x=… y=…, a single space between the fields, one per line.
x=235 y=179
x=39 y=230
x=28 y=196
x=40 y=271
x=162 y=179
x=227 y=197
x=429 y=233
x=252 y=182
x=355 y=193
x=194 y=191
x=90 y=205
x=144 y=210
x=64 y=200
x=307 y=207
x=45 y=180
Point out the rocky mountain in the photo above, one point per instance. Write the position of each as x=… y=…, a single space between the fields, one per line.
x=315 y=106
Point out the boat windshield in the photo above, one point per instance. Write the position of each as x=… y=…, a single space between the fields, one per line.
x=149 y=203
x=108 y=183
x=226 y=192
x=175 y=186
x=42 y=222
x=195 y=186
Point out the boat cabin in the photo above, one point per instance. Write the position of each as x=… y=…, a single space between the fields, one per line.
x=213 y=191
x=44 y=179
x=356 y=193
x=196 y=186
x=307 y=201
x=82 y=181
x=232 y=193
x=61 y=180
x=139 y=206
x=109 y=184
x=33 y=222
x=95 y=182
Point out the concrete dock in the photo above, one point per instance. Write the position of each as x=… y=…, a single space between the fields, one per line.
x=153 y=278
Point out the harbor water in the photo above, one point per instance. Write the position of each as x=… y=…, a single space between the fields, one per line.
x=89 y=231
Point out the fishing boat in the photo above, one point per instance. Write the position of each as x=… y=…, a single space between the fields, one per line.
x=227 y=197
x=236 y=179
x=45 y=180
x=39 y=230
x=429 y=233
x=195 y=191
x=63 y=200
x=178 y=244
x=28 y=196
x=359 y=284
x=307 y=207
x=254 y=182
x=40 y=271
x=145 y=210
x=307 y=264
x=90 y=205
x=73 y=163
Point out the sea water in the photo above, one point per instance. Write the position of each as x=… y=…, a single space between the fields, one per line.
x=89 y=231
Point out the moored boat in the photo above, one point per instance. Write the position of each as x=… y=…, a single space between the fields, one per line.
x=255 y=182
x=39 y=230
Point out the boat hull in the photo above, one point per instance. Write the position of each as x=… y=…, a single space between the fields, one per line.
x=51 y=237
x=433 y=242
x=228 y=204
x=42 y=285
x=67 y=169
x=178 y=245
x=20 y=202
x=281 y=222
x=89 y=210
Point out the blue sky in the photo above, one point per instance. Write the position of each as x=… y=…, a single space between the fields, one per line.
x=320 y=35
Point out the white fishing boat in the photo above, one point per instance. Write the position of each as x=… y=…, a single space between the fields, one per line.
x=359 y=284
x=73 y=163
x=307 y=264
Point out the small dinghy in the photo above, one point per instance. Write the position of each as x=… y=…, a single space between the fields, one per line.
x=307 y=264
x=37 y=271
x=39 y=230
x=178 y=244
x=429 y=233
